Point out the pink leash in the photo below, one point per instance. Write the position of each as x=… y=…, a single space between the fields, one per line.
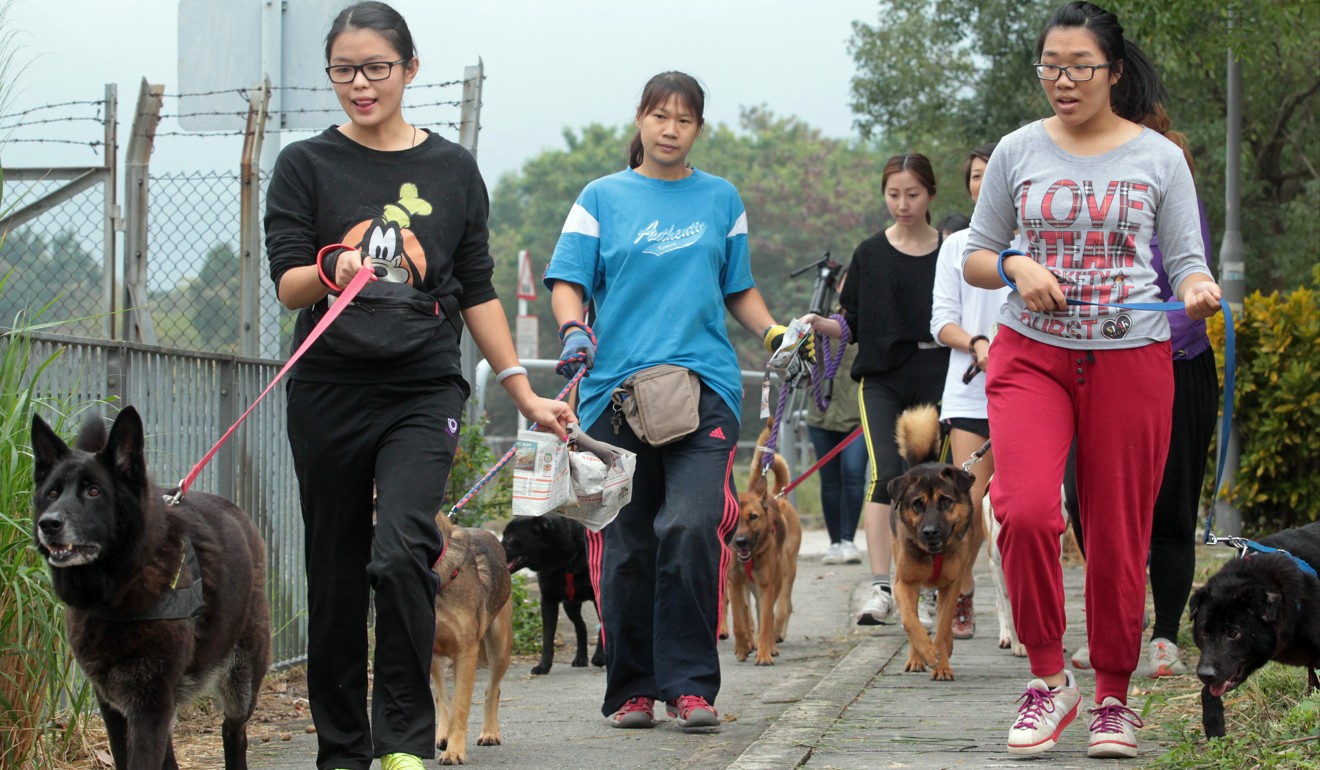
x=839 y=447
x=363 y=276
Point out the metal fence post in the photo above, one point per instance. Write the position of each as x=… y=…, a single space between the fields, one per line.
x=137 y=318
x=249 y=313
x=110 y=262
x=469 y=128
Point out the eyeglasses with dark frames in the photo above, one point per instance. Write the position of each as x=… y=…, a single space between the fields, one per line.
x=1077 y=73
x=347 y=73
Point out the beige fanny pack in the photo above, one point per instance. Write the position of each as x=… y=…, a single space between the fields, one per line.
x=660 y=403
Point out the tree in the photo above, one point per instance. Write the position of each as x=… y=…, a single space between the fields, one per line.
x=212 y=303
x=947 y=76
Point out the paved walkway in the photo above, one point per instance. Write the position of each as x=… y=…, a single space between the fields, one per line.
x=837 y=699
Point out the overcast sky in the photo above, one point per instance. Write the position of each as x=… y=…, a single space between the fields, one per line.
x=549 y=65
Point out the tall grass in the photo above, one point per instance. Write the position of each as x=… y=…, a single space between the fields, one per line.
x=42 y=697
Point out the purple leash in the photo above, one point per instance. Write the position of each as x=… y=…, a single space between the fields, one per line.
x=830 y=358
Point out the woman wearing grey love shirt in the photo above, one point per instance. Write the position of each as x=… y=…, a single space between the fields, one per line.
x=1088 y=187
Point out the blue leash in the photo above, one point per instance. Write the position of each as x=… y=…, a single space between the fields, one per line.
x=1230 y=367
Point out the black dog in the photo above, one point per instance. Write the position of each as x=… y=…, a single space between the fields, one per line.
x=1256 y=609
x=164 y=601
x=556 y=549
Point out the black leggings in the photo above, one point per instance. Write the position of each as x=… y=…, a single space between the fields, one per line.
x=883 y=397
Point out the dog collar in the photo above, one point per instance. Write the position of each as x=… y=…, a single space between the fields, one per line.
x=176 y=603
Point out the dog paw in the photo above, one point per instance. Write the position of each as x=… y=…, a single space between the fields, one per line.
x=765 y=662
x=942 y=674
x=724 y=635
x=1019 y=650
x=494 y=740
x=598 y=660
x=453 y=758
x=540 y=670
x=914 y=663
x=1005 y=642
x=580 y=662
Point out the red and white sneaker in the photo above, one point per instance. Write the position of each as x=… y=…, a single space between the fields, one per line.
x=635 y=713
x=1044 y=712
x=1113 y=730
x=690 y=711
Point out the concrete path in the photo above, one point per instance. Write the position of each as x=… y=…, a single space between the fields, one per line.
x=837 y=699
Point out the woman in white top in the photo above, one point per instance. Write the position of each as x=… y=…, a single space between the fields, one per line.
x=963 y=318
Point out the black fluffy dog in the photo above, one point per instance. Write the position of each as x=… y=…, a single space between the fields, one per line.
x=1256 y=609
x=556 y=549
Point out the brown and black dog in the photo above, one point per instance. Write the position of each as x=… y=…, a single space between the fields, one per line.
x=931 y=517
x=165 y=602
x=473 y=609
x=766 y=545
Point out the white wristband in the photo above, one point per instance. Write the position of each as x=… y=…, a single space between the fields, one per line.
x=511 y=371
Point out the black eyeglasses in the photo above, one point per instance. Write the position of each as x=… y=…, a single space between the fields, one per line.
x=347 y=73
x=1077 y=73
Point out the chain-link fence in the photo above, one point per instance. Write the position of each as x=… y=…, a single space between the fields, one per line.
x=54 y=265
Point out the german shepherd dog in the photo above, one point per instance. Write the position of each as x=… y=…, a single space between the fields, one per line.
x=555 y=548
x=473 y=613
x=931 y=518
x=164 y=601
x=1256 y=609
x=766 y=545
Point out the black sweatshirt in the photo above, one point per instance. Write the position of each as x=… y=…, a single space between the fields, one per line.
x=422 y=211
x=886 y=301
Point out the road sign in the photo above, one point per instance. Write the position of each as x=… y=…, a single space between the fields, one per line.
x=526 y=286
x=528 y=331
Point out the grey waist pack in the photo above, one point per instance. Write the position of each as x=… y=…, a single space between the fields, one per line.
x=660 y=403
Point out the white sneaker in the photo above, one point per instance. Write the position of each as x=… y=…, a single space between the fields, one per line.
x=879 y=608
x=850 y=553
x=1082 y=658
x=1113 y=730
x=834 y=555
x=926 y=610
x=1043 y=714
x=1164 y=661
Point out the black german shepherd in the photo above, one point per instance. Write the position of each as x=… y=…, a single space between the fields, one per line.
x=1256 y=609
x=556 y=549
x=164 y=601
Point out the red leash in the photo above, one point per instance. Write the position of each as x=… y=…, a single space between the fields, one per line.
x=839 y=447
x=364 y=275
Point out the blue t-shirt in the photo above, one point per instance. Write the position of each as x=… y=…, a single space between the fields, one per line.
x=658 y=259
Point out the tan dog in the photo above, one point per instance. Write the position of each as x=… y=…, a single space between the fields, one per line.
x=932 y=524
x=766 y=545
x=472 y=608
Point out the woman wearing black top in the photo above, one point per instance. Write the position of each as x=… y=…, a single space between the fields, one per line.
x=374 y=406
x=886 y=304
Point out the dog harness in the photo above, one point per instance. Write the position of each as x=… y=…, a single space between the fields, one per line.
x=176 y=603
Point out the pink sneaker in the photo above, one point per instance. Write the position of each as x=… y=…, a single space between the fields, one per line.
x=692 y=711
x=1113 y=730
x=634 y=713
x=1044 y=712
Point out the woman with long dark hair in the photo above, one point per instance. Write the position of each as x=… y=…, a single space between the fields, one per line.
x=1088 y=187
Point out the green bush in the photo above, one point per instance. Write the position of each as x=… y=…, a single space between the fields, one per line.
x=1277 y=408
x=473 y=460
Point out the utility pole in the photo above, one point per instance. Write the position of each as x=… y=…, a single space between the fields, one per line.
x=1232 y=267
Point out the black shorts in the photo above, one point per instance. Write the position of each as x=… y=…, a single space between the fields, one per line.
x=979 y=427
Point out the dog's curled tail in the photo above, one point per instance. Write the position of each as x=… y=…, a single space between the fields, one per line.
x=918 y=434
x=780 y=469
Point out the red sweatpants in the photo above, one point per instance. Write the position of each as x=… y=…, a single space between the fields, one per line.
x=1118 y=403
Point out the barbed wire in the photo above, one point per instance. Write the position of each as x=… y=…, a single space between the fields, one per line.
x=99 y=102
x=93 y=145
x=70 y=119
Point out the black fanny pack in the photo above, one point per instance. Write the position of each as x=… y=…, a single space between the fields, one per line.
x=388 y=320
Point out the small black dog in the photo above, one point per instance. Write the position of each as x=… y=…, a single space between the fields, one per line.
x=164 y=602
x=1256 y=609
x=556 y=549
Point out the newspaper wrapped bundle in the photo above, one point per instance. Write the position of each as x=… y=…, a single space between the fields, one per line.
x=550 y=476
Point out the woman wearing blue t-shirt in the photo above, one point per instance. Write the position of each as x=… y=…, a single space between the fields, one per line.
x=660 y=251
